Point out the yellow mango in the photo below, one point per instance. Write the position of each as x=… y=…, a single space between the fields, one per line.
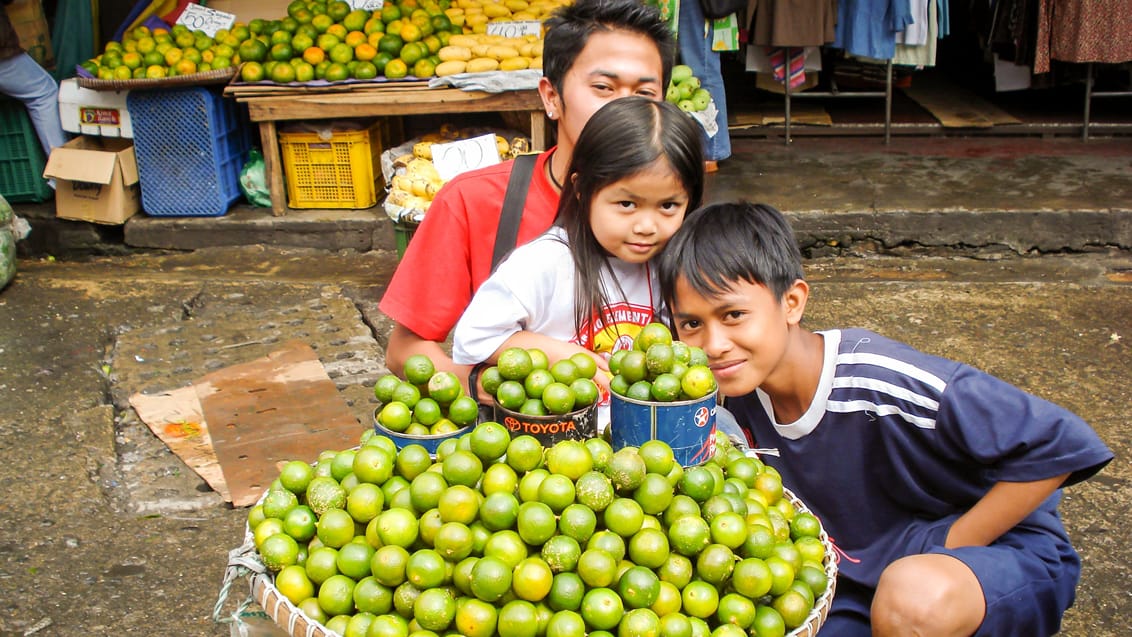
x=482 y=65
x=452 y=52
x=466 y=41
x=515 y=64
x=451 y=67
x=516 y=5
x=501 y=53
x=496 y=10
x=536 y=63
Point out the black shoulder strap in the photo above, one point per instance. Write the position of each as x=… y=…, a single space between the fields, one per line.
x=513 y=202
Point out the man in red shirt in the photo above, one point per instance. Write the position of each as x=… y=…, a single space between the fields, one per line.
x=595 y=51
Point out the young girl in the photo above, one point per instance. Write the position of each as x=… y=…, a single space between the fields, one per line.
x=586 y=285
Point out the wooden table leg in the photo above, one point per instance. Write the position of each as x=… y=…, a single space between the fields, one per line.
x=273 y=167
x=538 y=130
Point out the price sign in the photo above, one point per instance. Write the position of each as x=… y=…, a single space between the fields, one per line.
x=457 y=157
x=198 y=18
x=367 y=5
x=515 y=29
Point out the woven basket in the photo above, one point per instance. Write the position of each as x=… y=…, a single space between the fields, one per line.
x=218 y=76
x=288 y=616
x=817 y=616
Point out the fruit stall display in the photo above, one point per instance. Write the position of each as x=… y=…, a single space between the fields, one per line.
x=685 y=90
x=331 y=41
x=413 y=178
x=496 y=534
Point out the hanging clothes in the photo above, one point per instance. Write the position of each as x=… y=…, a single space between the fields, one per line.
x=792 y=22
x=919 y=55
x=1014 y=30
x=1083 y=31
x=868 y=28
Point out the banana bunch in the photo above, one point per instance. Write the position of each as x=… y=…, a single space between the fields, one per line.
x=481 y=52
x=415 y=179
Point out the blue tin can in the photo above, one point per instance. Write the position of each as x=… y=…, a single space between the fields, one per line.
x=428 y=442
x=688 y=426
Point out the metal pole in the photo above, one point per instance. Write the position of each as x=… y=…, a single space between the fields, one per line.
x=888 y=103
x=1088 y=101
x=786 y=83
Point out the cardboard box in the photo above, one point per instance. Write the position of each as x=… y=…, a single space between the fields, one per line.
x=247 y=10
x=31 y=28
x=90 y=112
x=96 y=179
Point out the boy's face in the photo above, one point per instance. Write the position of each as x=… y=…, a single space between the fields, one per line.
x=612 y=64
x=744 y=331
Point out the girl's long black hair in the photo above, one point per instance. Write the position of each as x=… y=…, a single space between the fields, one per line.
x=621 y=139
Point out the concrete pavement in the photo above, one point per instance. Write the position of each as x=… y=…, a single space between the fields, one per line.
x=107 y=532
x=1009 y=255
x=844 y=194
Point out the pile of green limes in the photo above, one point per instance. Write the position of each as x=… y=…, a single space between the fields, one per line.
x=498 y=536
x=660 y=369
x=426 y=402
x=524 y=380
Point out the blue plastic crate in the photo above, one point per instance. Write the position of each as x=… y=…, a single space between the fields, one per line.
x=21 y=157
x=191 y=145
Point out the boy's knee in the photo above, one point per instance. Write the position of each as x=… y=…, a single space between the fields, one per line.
x=927 y=595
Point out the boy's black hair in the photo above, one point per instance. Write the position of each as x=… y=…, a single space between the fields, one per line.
x=723 y=243
x=624 y=137
x=570 y=27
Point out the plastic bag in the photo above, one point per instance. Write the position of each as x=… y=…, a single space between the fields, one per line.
x=253 y=180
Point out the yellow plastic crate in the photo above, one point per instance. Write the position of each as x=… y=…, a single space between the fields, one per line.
x=340 y=172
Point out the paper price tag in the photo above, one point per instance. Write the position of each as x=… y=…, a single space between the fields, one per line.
x=457 y=157
x=367 y=5
x=515 y=29
x=198 y=18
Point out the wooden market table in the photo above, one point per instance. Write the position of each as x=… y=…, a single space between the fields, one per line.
x=268 y=105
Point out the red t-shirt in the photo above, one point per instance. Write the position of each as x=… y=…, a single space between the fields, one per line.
x=450 y=253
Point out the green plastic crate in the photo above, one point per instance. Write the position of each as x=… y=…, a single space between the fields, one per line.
x=404 y=232
x=21 y=157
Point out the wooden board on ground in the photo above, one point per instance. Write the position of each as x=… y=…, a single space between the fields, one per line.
x=955 y=107
x=177 y=419
x=801 y=112
x=273 y=409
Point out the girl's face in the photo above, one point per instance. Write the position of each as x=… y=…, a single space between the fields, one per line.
x=634 y=217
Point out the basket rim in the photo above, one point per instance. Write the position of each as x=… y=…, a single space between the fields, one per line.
x=278 y=607
x=216 y=76
x=820 y=611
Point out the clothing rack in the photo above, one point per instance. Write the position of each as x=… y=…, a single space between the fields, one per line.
x=835 y=93
x=1089 y=95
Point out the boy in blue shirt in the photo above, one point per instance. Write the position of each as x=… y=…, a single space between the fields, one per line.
x=938 y=483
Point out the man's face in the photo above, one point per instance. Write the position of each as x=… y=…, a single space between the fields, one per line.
x=611 y=65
